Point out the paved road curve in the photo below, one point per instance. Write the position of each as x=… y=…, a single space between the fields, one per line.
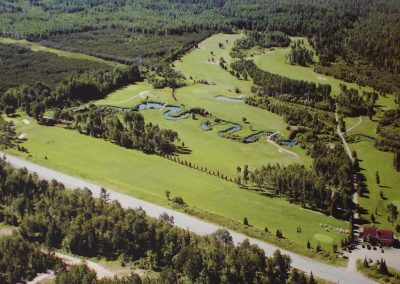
x=325 y=271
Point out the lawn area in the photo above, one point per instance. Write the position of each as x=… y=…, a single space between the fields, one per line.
x=134 y=94
x=196 y=64
x=365 y=127
x=149 y=176
x=208 y=149
x=274 y=61
x=34 y=46
x=371 y=161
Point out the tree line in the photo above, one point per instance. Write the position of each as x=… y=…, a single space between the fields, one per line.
x=91 y=85
x=263 y=39
x=388 y=129
x=350 y=103
x=302 y=92
x=297 y=115
x=96 y=227
x=131 y=132
x=353 y=32
x=327 y=187
x=299 y=54
x=20 y=65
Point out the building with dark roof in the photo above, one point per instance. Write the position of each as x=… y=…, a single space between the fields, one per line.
x=383 y=236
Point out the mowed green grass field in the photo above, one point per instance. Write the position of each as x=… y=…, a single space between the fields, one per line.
x=149 y=176
x=371 y=161
x=274 y=61
x=208 y=149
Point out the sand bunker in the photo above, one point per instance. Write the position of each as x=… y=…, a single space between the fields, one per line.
x=22 y=136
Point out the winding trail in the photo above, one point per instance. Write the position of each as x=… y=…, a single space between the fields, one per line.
x=101 y=271
x=340 y=133
x=184 y=221
x=269 y=139
x=355 y=125
x=282 y=148
x=356 y=231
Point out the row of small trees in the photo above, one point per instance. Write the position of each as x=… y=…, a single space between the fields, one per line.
x=199 y=168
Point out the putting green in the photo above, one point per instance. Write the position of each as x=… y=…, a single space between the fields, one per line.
x=323 y=238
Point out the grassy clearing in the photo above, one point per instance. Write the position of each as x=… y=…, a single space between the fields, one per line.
x=196 y=64
x=366 y=127
x=371 y=161
x=38 y=47
x=148 y=177
x=274 y=61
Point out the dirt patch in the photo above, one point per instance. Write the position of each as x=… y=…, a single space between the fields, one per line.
x=22 y=136
x=6 y=231
x=321 y=78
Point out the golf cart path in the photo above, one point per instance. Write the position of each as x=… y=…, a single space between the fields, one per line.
x=281 y=148
x=340 y=133
x=355 y=125
x=269 y=139
x=184 y=221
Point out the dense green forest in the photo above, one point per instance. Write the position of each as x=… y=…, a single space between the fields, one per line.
x=91 y=85
x=389 y=130
x=366 y=32
x=131 y=132
x=125 y=46
x=289 y=90
x=19 y=65
x=49 y=215
x=263 y=39
x=299 y=54
x=21 y=260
